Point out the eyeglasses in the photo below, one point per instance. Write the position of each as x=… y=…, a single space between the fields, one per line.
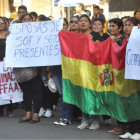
x=2 y=22
x=74 y=21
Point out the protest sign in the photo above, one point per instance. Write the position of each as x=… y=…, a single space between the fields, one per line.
x=132 y=63
x=33 y=44
x=9 y=88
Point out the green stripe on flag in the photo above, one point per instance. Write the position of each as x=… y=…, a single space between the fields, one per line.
x=124 y=109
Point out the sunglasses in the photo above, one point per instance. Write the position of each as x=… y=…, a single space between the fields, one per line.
x=2 y=22
x=74 y=21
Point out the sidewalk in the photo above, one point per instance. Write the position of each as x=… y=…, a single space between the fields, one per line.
x=11 y=129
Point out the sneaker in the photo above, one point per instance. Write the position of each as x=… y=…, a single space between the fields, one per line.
x=58 y=122
x=83 y=125
x=48 y=113
x=62 y=122
x=41 y=112
x=94 y=126
x=107 y=122
x=136 y=136
x=127 y=135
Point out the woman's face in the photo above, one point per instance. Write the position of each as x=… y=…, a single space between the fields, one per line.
x=128 y=26
x=97 y=27
x=27 y=18
x=65 y=26
x=74 y=23
x=2 y=24
x=84 y=24
x=113 y=29
x=137 y=16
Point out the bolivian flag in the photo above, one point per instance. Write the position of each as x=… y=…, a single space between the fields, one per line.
x=93 y=77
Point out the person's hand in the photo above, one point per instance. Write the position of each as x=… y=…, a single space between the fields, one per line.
x=113 y=38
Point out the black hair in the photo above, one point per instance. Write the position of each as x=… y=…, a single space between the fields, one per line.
x=96 y=6
x=66 y=21
x=133 y=20
x=75 y=17
x=118 y=22
x=34 y=14
x=86 y=16
x=22 y=7
x=43 y=18
x=7 y=21
x=26 y=15
x=125 y=17
x=82 y=6
x=99 y=19
x=136 y=12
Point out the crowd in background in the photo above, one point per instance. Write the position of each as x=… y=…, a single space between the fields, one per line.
x=39 y=97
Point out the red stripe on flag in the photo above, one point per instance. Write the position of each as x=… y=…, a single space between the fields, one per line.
x=80 y=46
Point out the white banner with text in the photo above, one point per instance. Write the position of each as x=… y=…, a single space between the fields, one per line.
x=9 y=88
x=33 y=44
x=132 y=63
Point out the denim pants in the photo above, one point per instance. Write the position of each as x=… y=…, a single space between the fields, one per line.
x=57 y=77
x=66 y=109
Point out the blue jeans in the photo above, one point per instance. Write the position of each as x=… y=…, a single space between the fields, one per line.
x=57 y=77
x=66 y=109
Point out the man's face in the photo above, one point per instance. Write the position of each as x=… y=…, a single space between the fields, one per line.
x=96 y=11
x=21 y=12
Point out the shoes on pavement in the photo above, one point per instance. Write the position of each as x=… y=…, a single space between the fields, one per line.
x=94 y=126
x=48 y=113
x=136 y=136
x=83 y=125
x=24 y=120
x=127 y=135
x=62 y=122
x=41 y=112
x=35 y=121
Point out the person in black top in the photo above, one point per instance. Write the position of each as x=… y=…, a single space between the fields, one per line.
x=3 y=32
x=98 y=27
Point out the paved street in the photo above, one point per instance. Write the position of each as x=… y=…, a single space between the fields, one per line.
x=11 y=129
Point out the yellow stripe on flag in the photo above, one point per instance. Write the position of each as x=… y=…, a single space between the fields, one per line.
x=85 y=74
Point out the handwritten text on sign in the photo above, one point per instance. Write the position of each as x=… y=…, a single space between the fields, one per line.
x=9 y=88
x=132 y=64
x=33 y=44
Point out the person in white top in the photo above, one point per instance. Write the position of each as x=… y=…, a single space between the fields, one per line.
x=80 y=9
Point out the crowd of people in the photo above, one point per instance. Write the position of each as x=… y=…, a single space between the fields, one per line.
x=38 y=97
